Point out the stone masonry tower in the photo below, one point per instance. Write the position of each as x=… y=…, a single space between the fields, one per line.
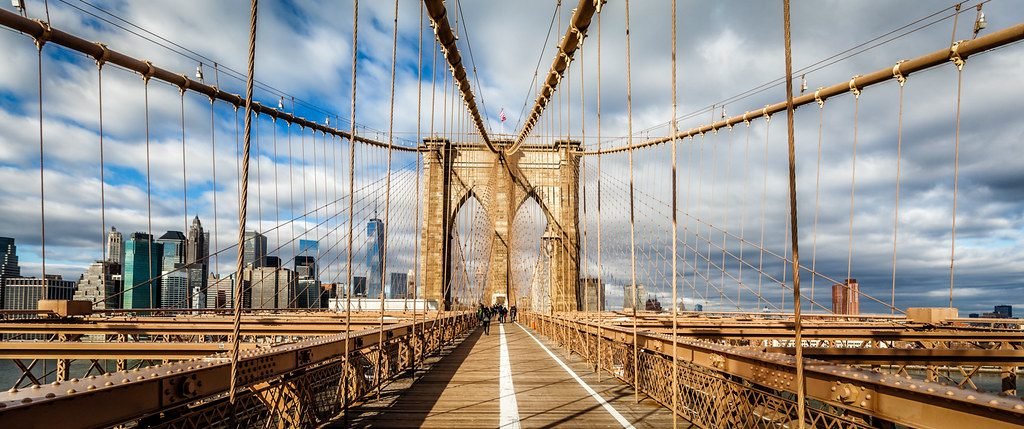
x=501 y=183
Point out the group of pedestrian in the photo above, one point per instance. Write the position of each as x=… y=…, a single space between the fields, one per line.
x=485 y=314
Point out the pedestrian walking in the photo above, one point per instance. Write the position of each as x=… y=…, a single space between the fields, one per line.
x=485 y=319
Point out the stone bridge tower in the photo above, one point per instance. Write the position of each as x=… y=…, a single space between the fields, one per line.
x=501 y=183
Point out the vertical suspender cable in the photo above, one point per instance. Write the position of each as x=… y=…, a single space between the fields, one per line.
x=184 y=168
x=956 y=176
x=795 y=241
x=675 y=275
x=416 y=217
x=583 y=181
x=149 y=205
x=600 y=267
x=817 y=195
x=387 y=206
x=42 y=188
x=632 y=215
x=213 y=164
x=351 y=198
x=242 y=204
x=103 y=186
x=896 y=208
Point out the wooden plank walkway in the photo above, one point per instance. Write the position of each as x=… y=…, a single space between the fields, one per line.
x=463 y=390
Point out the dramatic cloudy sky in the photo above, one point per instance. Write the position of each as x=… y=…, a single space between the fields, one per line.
x=725 y=49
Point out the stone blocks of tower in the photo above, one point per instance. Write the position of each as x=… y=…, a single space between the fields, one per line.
x=501 y=183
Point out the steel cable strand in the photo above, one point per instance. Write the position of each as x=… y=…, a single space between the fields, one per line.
x=242 y=203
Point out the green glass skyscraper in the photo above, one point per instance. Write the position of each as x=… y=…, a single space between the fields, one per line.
x=142 y=259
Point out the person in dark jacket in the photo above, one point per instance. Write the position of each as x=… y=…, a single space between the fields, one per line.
x=484 y=314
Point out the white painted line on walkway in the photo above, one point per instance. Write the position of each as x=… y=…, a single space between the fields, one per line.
x=600 y=400
x=507 y=392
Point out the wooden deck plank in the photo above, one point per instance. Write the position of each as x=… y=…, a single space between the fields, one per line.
x=461 y=390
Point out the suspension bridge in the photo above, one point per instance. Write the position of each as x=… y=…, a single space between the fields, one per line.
x=337 y=275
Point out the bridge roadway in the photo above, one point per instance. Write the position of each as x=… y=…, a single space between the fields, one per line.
x=510 y=378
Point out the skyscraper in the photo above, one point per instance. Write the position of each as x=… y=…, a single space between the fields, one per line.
x=1004 y=311
x=254 y=250
x=307 y=294
x=221 y=292
x=174 y=290
x=24 y=293
x=102 y=285
x=8 y=264
x=142 y=263
x=197 y=254
x=270 y=287
x=359 y=287
x=115 y=248
x=374 y=257
x=399 y=285
x=846 y=297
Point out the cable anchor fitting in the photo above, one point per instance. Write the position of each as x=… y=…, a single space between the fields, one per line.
x=184 y=85
x=150 y=71
x=897 y=74
x=817 y=97
x=104 y=55
x=764 y=112
x=954 y=55
x=44 y=36
x=853 y=86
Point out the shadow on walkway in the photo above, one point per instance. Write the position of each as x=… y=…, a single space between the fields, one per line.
x=402 y=405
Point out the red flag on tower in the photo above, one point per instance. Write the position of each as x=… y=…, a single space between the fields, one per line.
x=502 y=115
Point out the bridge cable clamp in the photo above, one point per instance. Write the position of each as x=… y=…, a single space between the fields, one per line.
x=853 y=86
x=184 y=86
x=104 y=55
x=764 y=112
x=41 y=40
x=579 y=35
x=954 y=55
x=745 y=120
x=897 y=74
x=150 y=71
x=817 y=97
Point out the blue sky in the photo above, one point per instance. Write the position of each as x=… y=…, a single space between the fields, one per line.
x=304 y=50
